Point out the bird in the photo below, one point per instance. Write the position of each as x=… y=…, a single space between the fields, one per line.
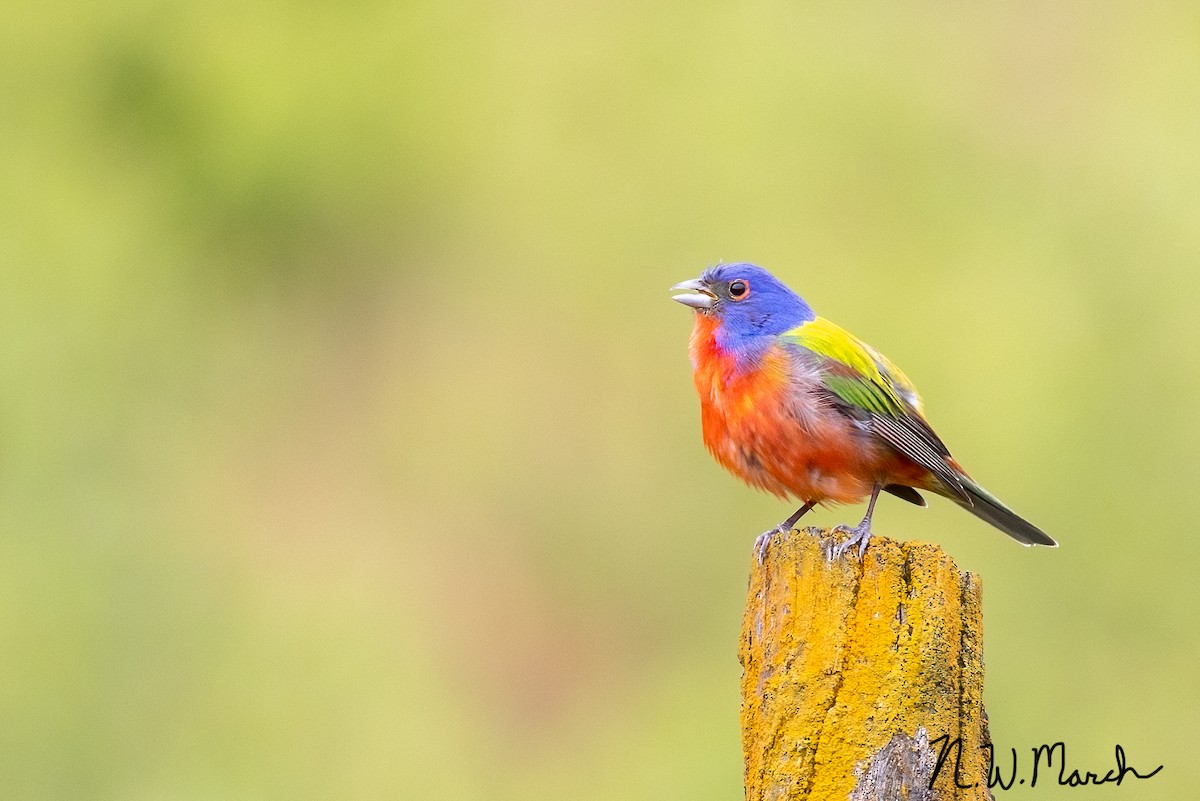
x=795 y=405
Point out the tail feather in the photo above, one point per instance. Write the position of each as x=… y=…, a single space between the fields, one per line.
x=987 y=507
x=906 y=493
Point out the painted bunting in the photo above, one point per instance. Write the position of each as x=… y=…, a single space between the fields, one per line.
x=792 y=404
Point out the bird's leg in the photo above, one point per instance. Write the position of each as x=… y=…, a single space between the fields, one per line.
x=860 y=534
x=764 y=539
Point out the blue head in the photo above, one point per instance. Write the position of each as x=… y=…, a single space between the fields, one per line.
x=749 y=304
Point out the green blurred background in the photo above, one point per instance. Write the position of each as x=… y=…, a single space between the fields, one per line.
x=348 y=447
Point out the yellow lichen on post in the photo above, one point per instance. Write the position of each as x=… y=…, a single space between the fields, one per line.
x=854 y=670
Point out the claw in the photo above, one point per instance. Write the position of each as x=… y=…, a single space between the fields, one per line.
x=860 y=535
x=763 y=541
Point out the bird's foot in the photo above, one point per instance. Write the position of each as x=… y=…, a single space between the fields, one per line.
x=764 y=540
x=859 y=535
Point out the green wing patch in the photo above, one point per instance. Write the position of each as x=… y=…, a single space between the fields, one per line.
x=853 y=371
x=861 y=393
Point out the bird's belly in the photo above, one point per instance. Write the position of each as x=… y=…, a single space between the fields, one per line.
x=792 y=444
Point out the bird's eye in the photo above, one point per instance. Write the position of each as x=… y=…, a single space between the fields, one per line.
x=739 y=289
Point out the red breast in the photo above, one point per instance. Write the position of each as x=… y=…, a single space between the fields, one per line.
x=766 y=424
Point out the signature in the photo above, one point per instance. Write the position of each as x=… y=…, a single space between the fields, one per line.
x=1045 y=758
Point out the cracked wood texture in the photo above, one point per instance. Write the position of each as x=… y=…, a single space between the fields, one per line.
x=853 y=670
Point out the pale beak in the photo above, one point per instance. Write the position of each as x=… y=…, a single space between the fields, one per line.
x=695 y=294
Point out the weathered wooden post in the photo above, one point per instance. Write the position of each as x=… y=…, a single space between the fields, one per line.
x=854 y=670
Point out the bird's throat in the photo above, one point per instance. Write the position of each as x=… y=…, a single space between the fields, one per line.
x=727 y=357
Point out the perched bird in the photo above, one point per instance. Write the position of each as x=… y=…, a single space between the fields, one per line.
x=792 y=404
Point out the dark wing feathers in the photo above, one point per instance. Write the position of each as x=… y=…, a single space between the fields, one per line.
x=915 y=442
